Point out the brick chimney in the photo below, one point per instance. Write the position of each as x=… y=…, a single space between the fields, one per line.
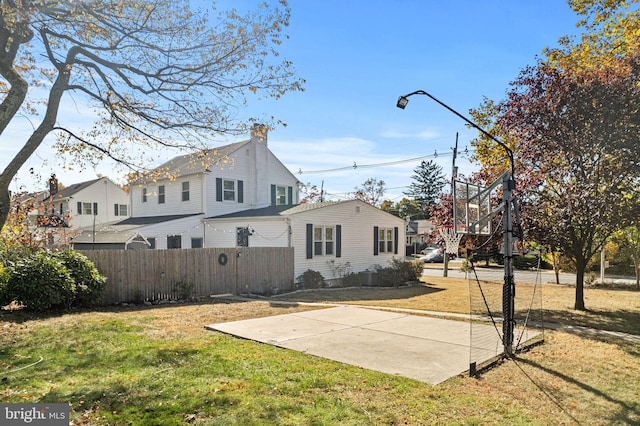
x=259 y=133
x=53 y=185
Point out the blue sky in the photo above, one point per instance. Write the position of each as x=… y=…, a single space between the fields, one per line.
x=357 y=58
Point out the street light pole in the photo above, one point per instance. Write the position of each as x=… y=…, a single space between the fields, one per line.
x=508 y=186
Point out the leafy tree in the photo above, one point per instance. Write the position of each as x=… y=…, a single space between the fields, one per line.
x=158 y=72
x=428 y=181
x=371 y=191
x=406 y=209
x=311 y=194
x=611 y=31
x=628 y=240
x=577 y=138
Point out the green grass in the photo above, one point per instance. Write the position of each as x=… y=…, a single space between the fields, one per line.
x=159 y=366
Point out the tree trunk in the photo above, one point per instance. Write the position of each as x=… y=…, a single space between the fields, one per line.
x=581 y=266
x=5 y=204
x=636 y=267
x=556 y=265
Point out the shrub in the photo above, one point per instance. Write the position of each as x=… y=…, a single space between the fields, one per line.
x=311 y=279
x=407 y=270
x=38 y=282
x=352 y=280
x=89 y=282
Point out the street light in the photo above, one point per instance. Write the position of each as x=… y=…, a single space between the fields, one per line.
x=509 y=184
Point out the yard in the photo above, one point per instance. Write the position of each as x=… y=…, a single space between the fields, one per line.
x=159 y=366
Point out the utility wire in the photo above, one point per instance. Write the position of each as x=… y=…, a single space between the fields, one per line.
x=367 y=166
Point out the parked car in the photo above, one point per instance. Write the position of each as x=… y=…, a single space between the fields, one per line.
x=433 y=257
x=428 y=250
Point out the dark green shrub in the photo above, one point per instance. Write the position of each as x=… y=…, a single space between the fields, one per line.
x=39 y=282
x=89 y=282
x=311 y=279
x=352 y=280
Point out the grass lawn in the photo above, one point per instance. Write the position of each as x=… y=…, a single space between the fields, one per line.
x=159 y=366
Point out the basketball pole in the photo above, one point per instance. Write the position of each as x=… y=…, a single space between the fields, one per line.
x=508 y=185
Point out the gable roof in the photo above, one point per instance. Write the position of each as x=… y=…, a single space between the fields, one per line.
x=74 y=189
x=289 y=210
x=192 y=163
x=150 y=220
x=262 y=212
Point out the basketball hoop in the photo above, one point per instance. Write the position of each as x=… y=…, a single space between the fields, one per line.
x=451 y=238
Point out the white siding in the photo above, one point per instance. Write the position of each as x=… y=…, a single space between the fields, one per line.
x=103 y=192
x=187 y=228
x=173 y=203
x=267 y=232
x=357 y=220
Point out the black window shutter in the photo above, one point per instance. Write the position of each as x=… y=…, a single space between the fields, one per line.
x=218 y=189
x=290 y=191
x=95 y=209
x=375 y=240
x=273 y=197
x=115 y=210
x=79 y=207
x=309 y=241
x=338 y=240
x=395 y=240
x=240 y=192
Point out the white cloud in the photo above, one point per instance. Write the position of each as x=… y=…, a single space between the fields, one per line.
x=428 y=134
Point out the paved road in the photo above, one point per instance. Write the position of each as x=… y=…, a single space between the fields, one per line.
x=497 y=273
x=435 y=270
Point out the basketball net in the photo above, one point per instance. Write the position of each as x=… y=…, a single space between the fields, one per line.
x=451 y=239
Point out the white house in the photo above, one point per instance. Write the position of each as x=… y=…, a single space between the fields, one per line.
x=242 y=195
x=87 y=204
x=326 y=236
x=170 y=202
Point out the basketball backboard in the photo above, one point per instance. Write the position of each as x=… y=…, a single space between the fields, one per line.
x=472 y=208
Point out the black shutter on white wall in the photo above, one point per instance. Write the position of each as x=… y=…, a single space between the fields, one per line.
x=395 y=240
x=218 y=189
x=309 y=241
x=375 y=240
x=338 y=240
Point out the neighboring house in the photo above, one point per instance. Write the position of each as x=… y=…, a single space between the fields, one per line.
x=87 y=204
x=58 y=215
x=170 y=202
x=327 y=236
x=418 y=234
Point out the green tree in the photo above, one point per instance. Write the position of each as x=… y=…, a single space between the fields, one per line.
x=577 y=154
x=158 y=72
x=628 y=240
x=427 y=183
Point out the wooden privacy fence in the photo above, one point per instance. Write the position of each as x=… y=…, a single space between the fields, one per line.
x=153 y=275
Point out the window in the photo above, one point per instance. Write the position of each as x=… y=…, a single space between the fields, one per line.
x=385 y=240
x=196 y=243
x=243 y=236
x=161 y=194
x=323 y=240
x=229 y=190
x=87 y=208
x=185 y=191
x=152 y=242
x=144 y=195
x=281 y=195
x=174 y=241
x=120 y=209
